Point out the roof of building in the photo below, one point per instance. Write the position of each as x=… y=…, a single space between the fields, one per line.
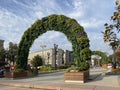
x=47 y=50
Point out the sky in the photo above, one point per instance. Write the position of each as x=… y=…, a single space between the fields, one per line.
x=16 y=16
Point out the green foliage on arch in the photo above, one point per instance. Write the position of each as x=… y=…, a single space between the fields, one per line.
x=70 y=27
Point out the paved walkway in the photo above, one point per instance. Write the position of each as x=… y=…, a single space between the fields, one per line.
x=55 y=81
x=104 y=80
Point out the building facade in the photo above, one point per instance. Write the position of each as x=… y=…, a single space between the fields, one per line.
x=48 y=56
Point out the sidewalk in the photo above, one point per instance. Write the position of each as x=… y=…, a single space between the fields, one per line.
x=54 y=81
x=60 y=86
x=104 y=80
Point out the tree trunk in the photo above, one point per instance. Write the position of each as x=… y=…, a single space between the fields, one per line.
x=113 y=59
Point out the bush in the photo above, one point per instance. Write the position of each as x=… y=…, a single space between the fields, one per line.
x=74 y=69
x=69 y=64
x=37 y=61
x=83 y=66
x=19 y=70
x=46 y=69
x=33 y=70
x=62 y=67
x=104 y=61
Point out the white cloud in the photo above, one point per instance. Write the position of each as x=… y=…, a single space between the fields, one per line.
x=91 y=14
x=49 y=38
x=39 y=14
x=92 y=23
x=19 y=3
x=77 y=11
x=12 y=26
x=97 y=43
x=76 y=14
x=45 y=8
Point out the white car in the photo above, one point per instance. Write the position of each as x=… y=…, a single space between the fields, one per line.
x=109 y=65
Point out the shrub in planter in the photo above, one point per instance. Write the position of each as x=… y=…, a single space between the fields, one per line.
x=18 y=73
x=83 y=66
x=69 y=64
x=44 y=69
x=19 y=70
x=32 y=72
x=77 y=73
x=62 y=67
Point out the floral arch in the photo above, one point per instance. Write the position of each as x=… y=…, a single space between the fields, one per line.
x=73 y=31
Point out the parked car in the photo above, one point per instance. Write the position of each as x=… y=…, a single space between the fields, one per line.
x=2 y=71
x=2 y=68
x=109 y=65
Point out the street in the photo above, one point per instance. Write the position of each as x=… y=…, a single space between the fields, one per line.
x=55 y=77
x=56 y=80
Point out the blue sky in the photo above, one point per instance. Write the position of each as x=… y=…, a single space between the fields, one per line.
x=16 y=16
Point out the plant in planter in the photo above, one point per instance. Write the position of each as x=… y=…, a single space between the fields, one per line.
x=70 y=27
x=78 y=73
x=35 y=62
x=32 y=72
x=18 y=73
x=83 y=66
x=46 y=69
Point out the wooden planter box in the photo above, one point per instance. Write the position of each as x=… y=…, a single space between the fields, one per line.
x=80 y=77
x=30 y=74
x=15 y=74
x=105 y=66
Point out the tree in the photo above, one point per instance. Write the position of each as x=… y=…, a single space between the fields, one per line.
x=2 y=54
x=12 y=52
x=2 y=51
x=104 y=58
x=112 y=30
x=37 y=61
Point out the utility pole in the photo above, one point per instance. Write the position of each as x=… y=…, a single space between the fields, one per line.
x=55 y=53
x=48 y=58
x=43 y=46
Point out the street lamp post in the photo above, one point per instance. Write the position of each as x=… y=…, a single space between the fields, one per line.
x=55 y=51
x=48 y=57
x=43 y=46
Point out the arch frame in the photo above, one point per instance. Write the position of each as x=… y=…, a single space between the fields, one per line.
x=70 y=27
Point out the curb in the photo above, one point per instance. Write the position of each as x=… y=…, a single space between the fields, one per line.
x=59 y=87
x=48 y=86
